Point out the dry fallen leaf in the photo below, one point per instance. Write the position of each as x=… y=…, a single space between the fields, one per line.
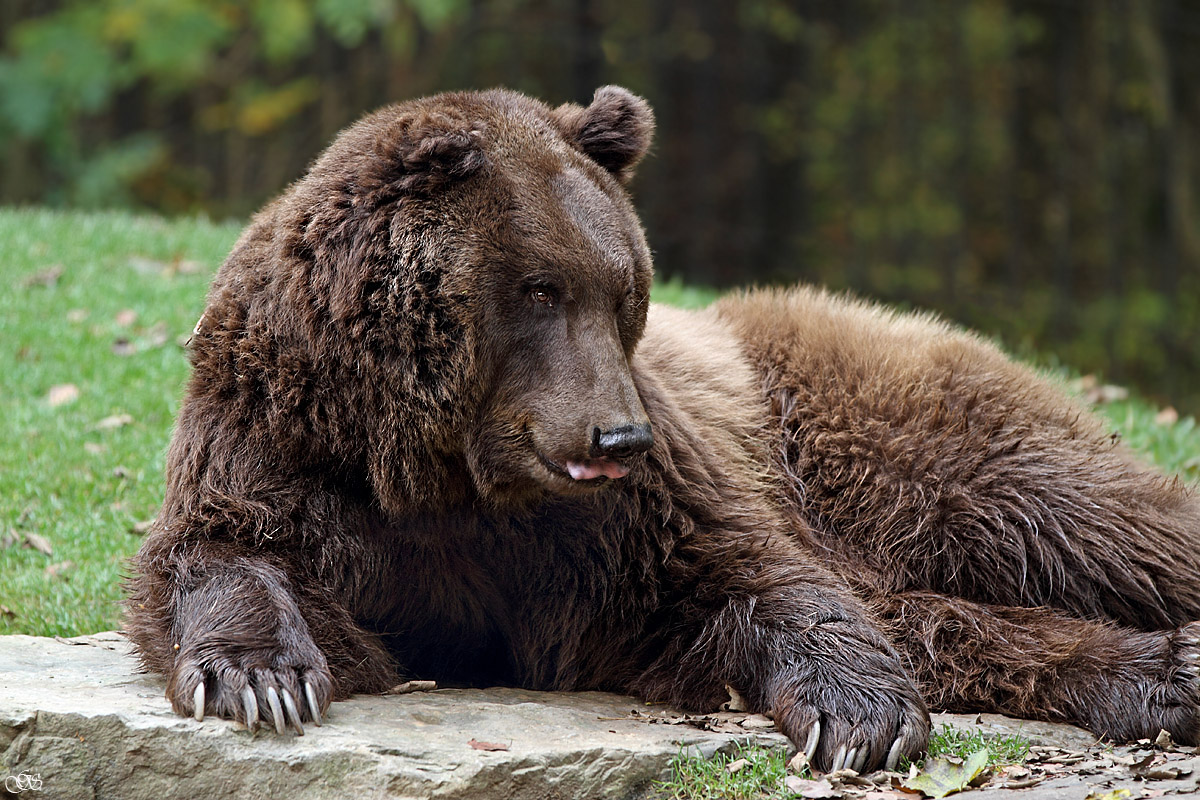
x=57 y=570
x=736 y=766
x=799 y=762
x=38 y=542
x=5 y=611
x=123 y=347
x=126 y=317
x=143 y=527
x=814 y=790
x=1168 y=416
x=408 y=687
x=487 y=746
x=156 y=334
x=95 y=448
x=757 y=722
x=47 y=277
x=115 y=421
x=77 y=315
x=62 y=394
x=735 y=702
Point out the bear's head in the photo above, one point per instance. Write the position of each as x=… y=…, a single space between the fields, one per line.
x=462 y=281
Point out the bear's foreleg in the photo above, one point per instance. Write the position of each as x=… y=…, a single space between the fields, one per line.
x=236 y=638
x=796 y=644
x=1118 y=682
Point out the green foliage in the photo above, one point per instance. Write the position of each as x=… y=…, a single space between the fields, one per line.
x=760 y=778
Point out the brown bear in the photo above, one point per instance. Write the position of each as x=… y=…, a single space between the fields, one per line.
x=436 y=429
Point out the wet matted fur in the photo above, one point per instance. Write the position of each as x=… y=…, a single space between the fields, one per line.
x=435 y=429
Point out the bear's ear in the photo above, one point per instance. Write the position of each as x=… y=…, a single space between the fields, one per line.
x=614 y=131
x=423 y=152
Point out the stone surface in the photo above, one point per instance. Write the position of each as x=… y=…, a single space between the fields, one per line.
x=77 y=714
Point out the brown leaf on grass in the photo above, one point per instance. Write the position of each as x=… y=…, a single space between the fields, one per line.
x=45 y=277
x=95 y=448
x=156 y=334
x=143 y=527
x=123 y=347
x=126 y=317
x=114 y=421
x=1168 y=416
x=62 y=394
x=7 y=612
x=883 y=794
x=35 y=541
x=734 y=767
x=799 y=762
x=59 y=569
x=487 y=746
x=77 y=315
x=814 y=790
x=9 y=539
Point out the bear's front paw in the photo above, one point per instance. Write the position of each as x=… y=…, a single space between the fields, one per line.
x=856 y=727
x=854 y=708
x=284 y=686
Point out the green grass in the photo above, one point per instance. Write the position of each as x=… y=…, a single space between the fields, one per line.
x=950 y=741
x=761 y=778
x=81 y=486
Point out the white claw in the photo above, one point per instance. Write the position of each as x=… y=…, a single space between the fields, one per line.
x=198 y=702
x=250 y=703
x=276 y=708
x=893 y=756
x=860 y=761
x=814 y=738
x=313 y=707
x=293 y=714
x=851 y=756
x=839 y=759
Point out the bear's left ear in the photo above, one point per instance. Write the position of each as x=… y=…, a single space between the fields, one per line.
x=614 y=131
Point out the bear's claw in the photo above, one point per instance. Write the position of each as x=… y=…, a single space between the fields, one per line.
x=893 y=756
x=814 y=738
x=276 y=709
x=198 y=701
x=314 y=708
x=250 y=703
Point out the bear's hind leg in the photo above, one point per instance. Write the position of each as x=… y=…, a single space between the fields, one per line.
x=1036 y=663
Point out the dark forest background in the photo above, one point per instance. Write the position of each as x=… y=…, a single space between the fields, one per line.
x=1027 y=167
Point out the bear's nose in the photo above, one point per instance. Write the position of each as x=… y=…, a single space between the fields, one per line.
x=622 y=442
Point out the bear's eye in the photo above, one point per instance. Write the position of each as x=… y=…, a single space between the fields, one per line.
x=542 y=296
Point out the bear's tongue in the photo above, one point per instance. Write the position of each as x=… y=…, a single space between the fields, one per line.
x=595 y=468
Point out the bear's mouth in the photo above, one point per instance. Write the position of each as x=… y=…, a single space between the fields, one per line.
x=585 y=472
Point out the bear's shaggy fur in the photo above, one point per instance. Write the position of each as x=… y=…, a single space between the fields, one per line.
x=435 y=429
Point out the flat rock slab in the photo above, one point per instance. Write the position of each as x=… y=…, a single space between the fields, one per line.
x=77 y=717
x=77 y=713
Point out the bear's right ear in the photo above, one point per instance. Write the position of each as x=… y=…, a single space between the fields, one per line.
x=614 y=131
